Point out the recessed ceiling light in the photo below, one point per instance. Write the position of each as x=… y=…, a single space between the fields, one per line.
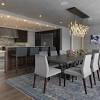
x=8 y=16
x=37 y=23
x=25 y=20
x=1 y=16
x=64 y=3
x=40 y=16
x=3 y=4
x=47 y=25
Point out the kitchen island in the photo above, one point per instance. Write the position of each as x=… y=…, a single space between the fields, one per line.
x=24 y=62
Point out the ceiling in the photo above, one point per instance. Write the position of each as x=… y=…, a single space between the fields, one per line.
x=52 y=10
x=18 y=22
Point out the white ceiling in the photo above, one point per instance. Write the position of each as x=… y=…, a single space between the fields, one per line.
x=52 y=10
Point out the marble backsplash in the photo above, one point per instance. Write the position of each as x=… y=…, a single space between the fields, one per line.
x=6 y=41
x=10 y=42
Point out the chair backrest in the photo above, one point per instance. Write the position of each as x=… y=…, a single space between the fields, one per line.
x=54 y=53
x=95 y=50
x=86 y=69
x=99 y=60
x=34 y=50
x=43 y=53
x=41 y=65
x=21 y=51
x=44 y=48
x=94 y=65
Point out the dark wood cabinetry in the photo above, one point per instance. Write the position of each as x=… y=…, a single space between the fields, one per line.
x=54 y=38
x=23 y=62
x=22 y=36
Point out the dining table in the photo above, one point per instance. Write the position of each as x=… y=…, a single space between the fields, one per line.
x=65 y=59
x=64 y=62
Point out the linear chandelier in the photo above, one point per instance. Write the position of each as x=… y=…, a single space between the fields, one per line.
x=78 y=29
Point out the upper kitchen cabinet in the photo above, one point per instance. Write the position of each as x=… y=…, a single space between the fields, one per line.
x=22 y=36
x=49 y=38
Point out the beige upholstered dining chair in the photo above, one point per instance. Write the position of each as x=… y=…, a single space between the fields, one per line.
x=95 y=66
x=43 y=69
x=84 y=71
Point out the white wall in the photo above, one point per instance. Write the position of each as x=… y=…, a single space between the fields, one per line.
x=88 y=45
x=76 y=42
x=65 y=40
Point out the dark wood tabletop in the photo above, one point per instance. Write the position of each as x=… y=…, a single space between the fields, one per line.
x=64 y=59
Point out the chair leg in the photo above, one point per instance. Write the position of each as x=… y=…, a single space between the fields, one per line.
x=72 y=78
x=64 y=80
x=60 y=79
x=84 y=83
x=94 y=78
x=16 y=65
x=75 y=77
x=34 y=80
x=98 y=75
x=45 y=84
x=26 y=64
x=90 y=81
x=48 y=78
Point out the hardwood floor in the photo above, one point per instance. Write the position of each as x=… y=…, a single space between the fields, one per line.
x=9 y=93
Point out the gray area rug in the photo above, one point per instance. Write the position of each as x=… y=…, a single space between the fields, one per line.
x=72 y=91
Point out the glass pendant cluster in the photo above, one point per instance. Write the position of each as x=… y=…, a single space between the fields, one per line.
x=78 y=29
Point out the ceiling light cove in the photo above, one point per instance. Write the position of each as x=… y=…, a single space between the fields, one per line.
x=12 y=21
x=8 y=16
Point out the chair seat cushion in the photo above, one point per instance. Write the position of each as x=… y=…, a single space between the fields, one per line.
x=73 y=71
x=79 y=66
x=53 y=71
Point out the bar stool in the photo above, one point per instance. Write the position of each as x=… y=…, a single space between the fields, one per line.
x=33 y=51
x=20 y=52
